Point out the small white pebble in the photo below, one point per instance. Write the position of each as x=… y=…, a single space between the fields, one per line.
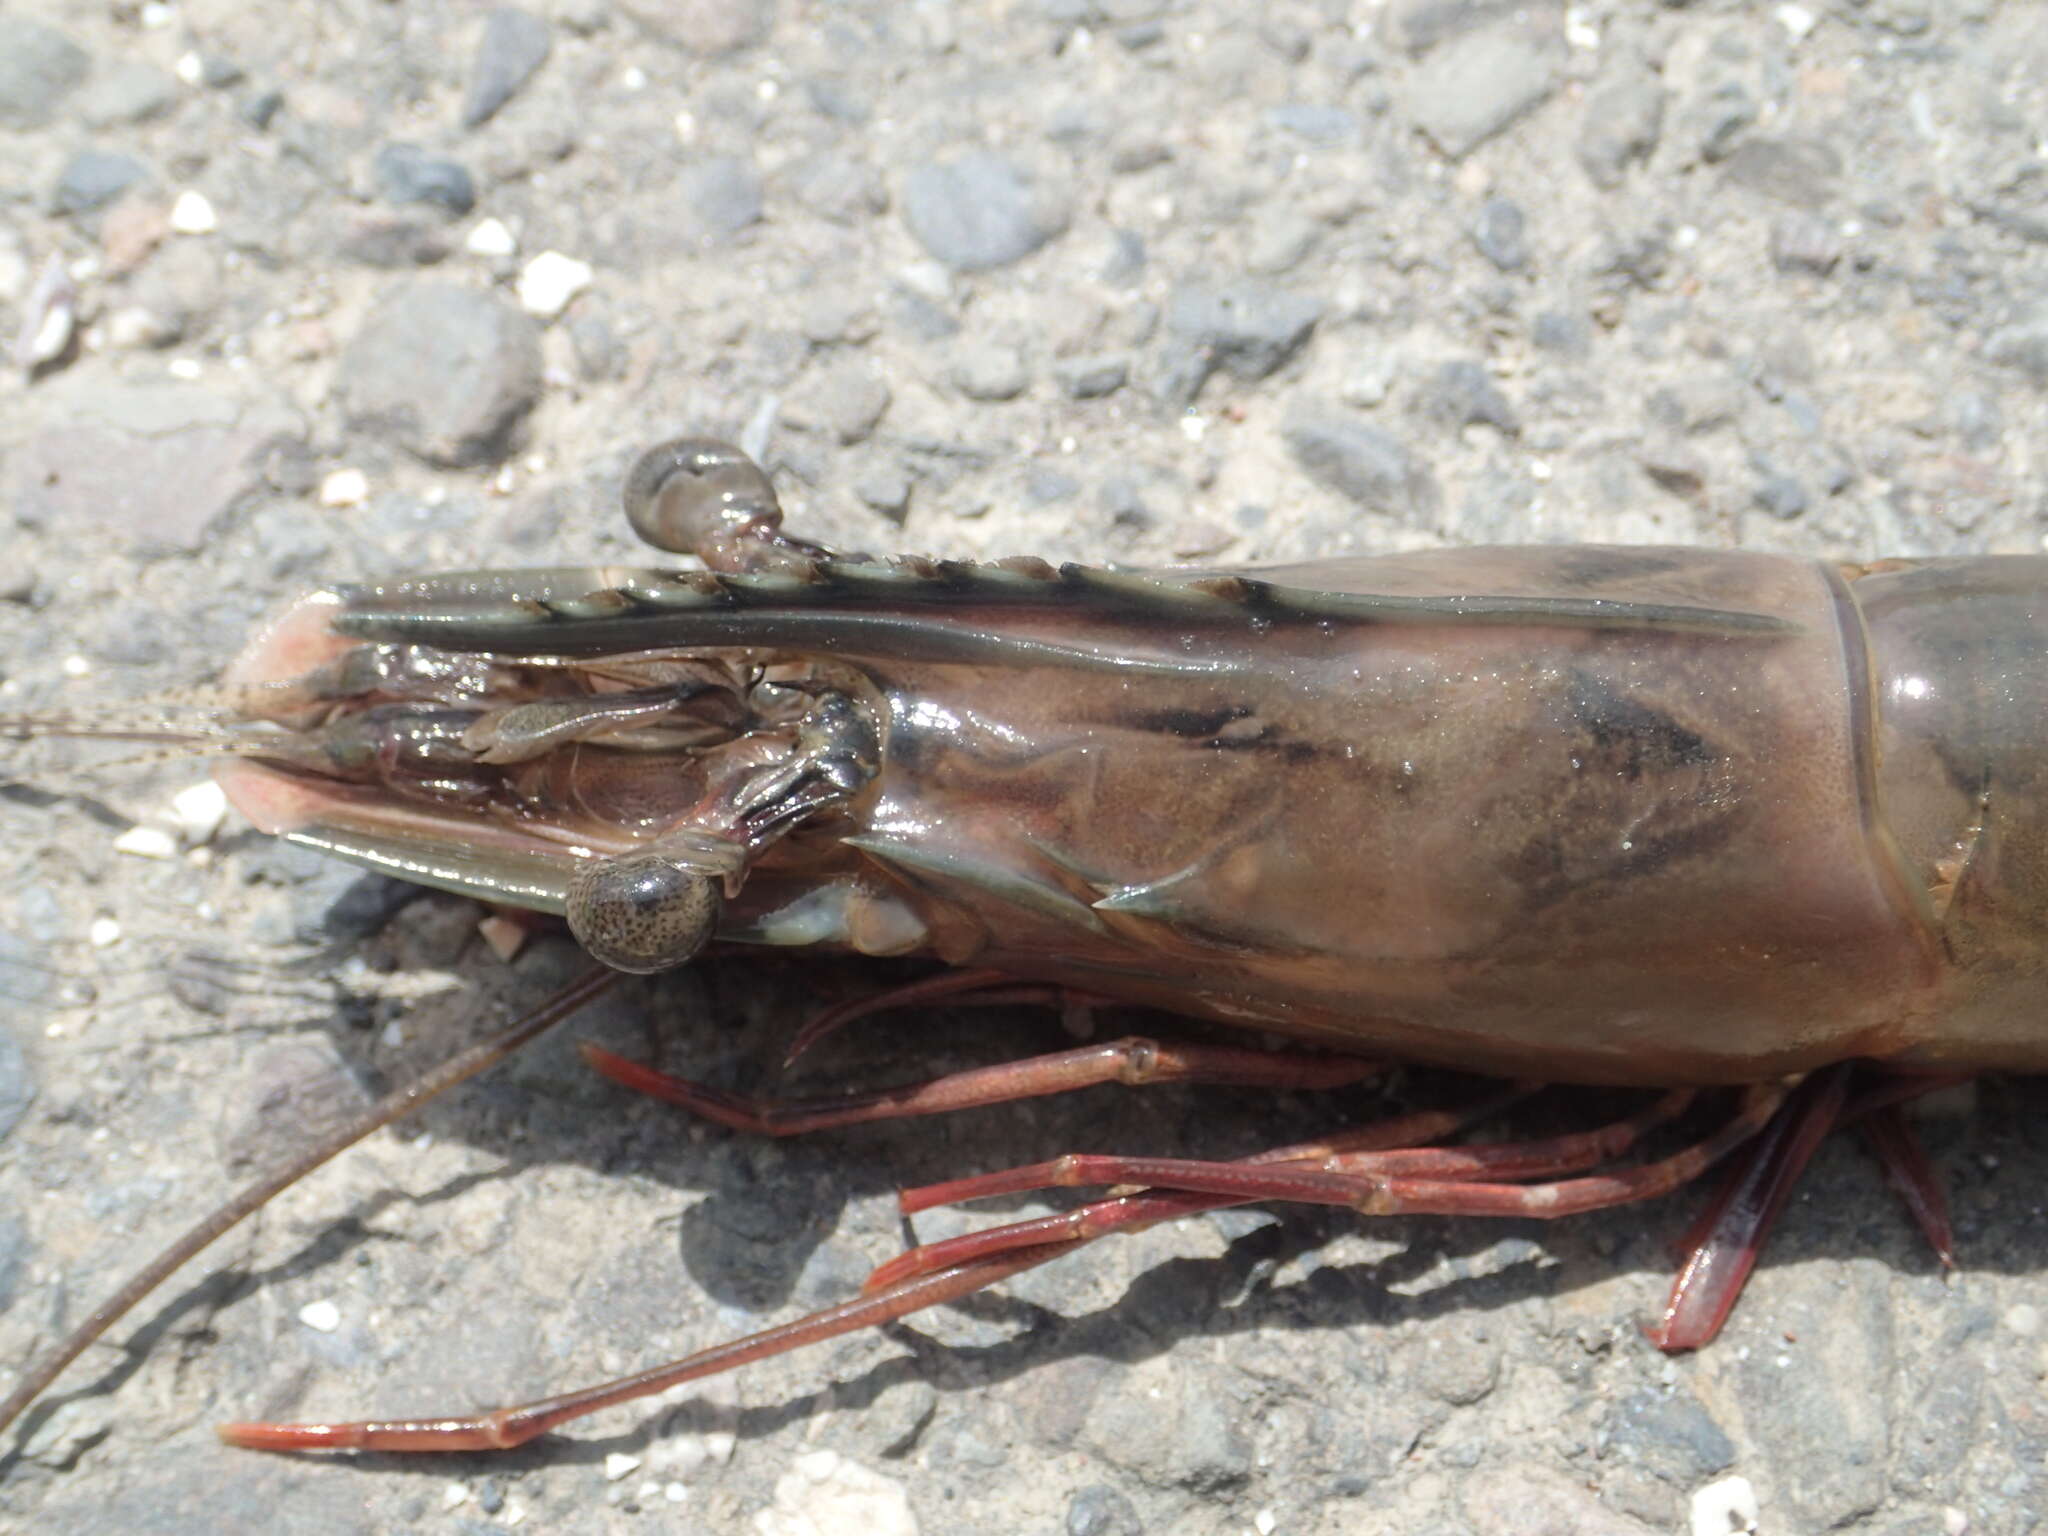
x=619 y=1465
x=1954 y=1522
x=647 y=1492
x=76 y=666
x=344 y=488
x=147 y=843
x=685 y=124
x=632 y=78
x=1540 y=470
x=320 y=1316
x=184 y=368
x=1726 y=1508
x=192 y=214
x=2023 y=1319
x=190 y=68
x=549 y=281
x=1797 y=21
x=454 y=1496
x=1265 y=1522
x=675 y=1493
x=157 y=15
x=198 y=810
x=1580 y=28
x=490 y=238
x=103 y=933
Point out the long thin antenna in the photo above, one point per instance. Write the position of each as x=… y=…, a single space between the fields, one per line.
x=395 y=1105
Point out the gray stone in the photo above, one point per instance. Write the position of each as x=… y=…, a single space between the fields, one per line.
x=1941 y=1424
x=887 y=491
x=39 y=67
x=448 y=373
x=1798 y=171
x=1281 y=240
x=1782 y=496
x=838 y=187
x=1805 y=242
x=153 y=465
x=1669 y=1434
x=706 y=28
x=1091 y=377
x=600 y=355
x=2023 y=345
x=1363 y=462
x=93 y=178
x=1463 y=394
x=1099 y=1510
x=290 y=1092
x=1622 y=125
x=981 y=210
x=1824 y=1406
x=1530 y=1499
x=258 y=108
x=1419 y=25
x=1192 y=1436
x=408 y=174
x=392 y=243
x=1247 y=330
x=1500 y=235
x=128 y=92
x=17 y=1081
x=1464 y=93
x=988 y=371
x=514 y=44
x=719 y=196
x=1556 y=331
x=15 y=1248
x=1715 y=125
x=848 y=399
x=1315 y=122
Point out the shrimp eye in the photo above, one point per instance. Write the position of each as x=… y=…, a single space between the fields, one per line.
x=643 y=912
x=682 y=493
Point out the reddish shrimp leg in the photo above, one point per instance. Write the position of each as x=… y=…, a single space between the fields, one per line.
x=958 y=989
x=1722 y=1245
x=503 y=1428
x=1132 y=1061
x=1343 y=1166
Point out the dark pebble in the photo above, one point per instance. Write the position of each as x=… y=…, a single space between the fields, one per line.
x=600 y=355
x=93 y=178
x=408 y=174
x=514 y=44
x=1500 y=235
x=1099 y=1510
x=1781 y=496
x=1090 y=378
x=1463 y=394
x=1247 y=329
x=393 y=243
x=257 y=108
x=1670 y=1434
x=1805 y=242
x=15 y=1247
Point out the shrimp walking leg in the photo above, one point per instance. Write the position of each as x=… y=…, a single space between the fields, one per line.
x=1133 y=1061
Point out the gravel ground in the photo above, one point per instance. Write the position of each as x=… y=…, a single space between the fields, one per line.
x=353 y=287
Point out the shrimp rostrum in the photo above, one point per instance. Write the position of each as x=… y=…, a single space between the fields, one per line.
x=1708 y=823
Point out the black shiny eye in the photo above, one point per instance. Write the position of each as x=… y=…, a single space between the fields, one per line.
x=643 y=912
